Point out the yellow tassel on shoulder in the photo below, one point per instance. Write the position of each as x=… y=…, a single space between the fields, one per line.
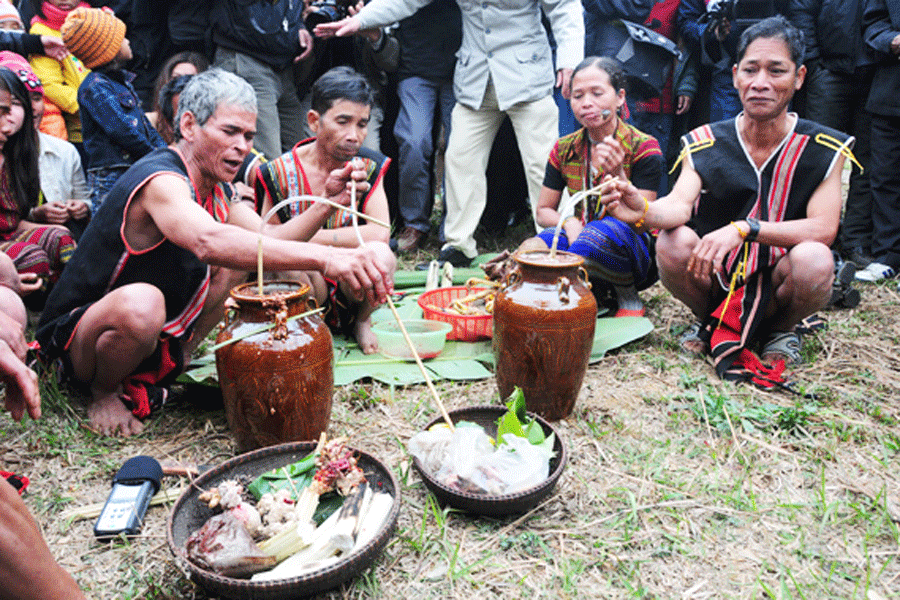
x=834 y=144
x=690 y=149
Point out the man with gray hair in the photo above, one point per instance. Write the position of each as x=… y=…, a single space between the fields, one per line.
x=153 y=268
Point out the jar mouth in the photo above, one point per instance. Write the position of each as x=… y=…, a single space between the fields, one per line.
x=541 y=258
x=272 y=290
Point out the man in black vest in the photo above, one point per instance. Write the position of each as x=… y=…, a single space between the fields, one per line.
x=746 y=229
x=152 y=270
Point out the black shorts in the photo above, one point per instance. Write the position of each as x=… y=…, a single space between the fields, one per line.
x=340 y=312
x=145 y=385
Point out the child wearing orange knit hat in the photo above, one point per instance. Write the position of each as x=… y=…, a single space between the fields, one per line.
x=115 y=129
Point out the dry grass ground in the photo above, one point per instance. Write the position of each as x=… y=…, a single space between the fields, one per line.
x=678 y=485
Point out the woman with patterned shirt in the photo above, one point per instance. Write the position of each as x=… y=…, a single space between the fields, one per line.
x=618 y=256
x=37 y=250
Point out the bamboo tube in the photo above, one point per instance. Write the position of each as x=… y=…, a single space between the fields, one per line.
x=409 y=342
x=422 y=368
x=573 y=200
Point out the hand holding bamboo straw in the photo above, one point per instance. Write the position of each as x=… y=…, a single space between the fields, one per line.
x=289 y=200
x=574 y=199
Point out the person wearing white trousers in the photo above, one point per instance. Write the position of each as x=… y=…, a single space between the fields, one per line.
x=504 y=67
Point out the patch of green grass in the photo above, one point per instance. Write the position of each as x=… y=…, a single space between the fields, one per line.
x=722 y=411
x=889 y=444
x=659 y=363
x=526 y=542
x=360 y=397
x=689 y=379
x=420 y=540
x=404 y=471
x=847 y=432
x=602 y=427
x=627 y=576
x=811 y=349
x=569 y=581
x=51 y=503
x=368 y=584
x=784 y=586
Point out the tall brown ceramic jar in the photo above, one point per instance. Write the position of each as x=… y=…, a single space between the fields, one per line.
x=544 y=319
x=278 y=384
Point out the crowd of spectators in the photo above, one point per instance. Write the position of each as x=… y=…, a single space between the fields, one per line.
x=427 y=60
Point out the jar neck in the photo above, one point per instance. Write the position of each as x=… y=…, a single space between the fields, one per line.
x=251 y=305
x=543 y=270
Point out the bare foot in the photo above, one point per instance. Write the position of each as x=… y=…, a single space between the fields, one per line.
x=365 y=337
x=109 y=416
x=694 y=347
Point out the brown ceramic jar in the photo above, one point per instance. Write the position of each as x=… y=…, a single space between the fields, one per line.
x=278 y=384
x=544 y=319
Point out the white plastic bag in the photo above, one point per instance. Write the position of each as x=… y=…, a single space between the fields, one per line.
x=430 y=447
x=467 y=460
x=514 y=466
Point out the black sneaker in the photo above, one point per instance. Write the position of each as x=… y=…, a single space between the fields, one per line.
x=860 y=258
x=450 y=255
x=843 y=295
x=845 y=272
x=850 y=298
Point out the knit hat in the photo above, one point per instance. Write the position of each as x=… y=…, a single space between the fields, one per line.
x=8 y=12
x=93 y=35
x=18 y=65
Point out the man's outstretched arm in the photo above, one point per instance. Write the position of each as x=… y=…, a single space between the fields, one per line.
x=166 y=200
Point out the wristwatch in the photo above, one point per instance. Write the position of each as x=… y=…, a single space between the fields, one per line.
x=753 y=222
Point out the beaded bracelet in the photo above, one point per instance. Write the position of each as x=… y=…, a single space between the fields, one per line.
x=743 y=233
x=640 y=222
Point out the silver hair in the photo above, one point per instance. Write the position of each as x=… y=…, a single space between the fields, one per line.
x=208 y=90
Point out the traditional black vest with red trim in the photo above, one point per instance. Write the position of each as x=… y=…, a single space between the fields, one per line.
x=734 y=189
x=104 y=261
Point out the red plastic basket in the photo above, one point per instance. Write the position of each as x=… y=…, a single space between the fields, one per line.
x=466 y=328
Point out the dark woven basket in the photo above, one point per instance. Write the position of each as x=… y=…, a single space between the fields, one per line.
x=488 y=505
x=189 y=514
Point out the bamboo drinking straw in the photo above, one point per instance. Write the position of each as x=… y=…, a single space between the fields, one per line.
x=390 y=303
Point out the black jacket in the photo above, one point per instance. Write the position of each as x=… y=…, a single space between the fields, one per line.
x=20 y=43
x=265 y=30
x=600 y=37
x=881 y=23
x=832 y=30
x=429 y=40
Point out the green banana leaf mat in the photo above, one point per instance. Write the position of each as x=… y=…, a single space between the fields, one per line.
x=458 y=361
